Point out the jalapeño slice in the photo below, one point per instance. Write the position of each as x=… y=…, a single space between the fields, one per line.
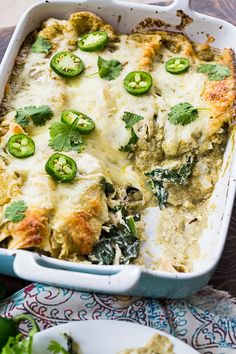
x=84 y=125
x=61 y=167
x=138 y=82
x=93 y=41
x=66 y=64
x=21 y=145
x=177 y=65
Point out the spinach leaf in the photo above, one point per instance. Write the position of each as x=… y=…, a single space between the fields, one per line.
x=123 y=236
x=103 y=252
x=107 y=187
x=158 y=189
x=159 y=176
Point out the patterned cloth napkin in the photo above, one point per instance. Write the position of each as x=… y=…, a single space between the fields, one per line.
x=206 y=321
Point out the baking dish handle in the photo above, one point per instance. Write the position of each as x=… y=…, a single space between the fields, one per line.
x=183 y=4
x=28 y=266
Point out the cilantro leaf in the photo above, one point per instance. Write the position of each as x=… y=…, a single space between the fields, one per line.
x=130 y=119
x=43 y=114
x=132 y=141
x=65 y=137
x=39 y=115
x=109 y=69
x=204 y=68
x=55 y=348
x=21 y=118
x=41 y=45
x=18 y=345
x=216 y=72
x=219 y=73
x=182 y=113
x=15 y=212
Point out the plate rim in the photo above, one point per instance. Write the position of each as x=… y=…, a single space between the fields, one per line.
x=114 y=323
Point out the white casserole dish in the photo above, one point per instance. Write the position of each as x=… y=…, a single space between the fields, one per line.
x=132 y=280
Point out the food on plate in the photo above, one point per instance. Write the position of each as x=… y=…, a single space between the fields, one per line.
x=96 y=127
x=12 y=340
x=157 y=344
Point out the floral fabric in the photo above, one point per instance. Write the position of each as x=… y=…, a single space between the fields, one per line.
x=206 y=321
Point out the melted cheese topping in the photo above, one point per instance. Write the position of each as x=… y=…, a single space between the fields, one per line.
x=156 y=344
x=75 y=212
x=174 y=89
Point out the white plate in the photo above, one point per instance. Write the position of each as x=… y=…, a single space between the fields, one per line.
x=130 y=280
x=104 y=337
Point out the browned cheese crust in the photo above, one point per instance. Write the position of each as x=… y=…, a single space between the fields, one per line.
x=79 y=230
x=32 y=232
x=220 y=95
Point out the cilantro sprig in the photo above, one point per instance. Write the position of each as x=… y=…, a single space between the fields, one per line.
x=39 y=115
x=132 y=141
x=130 y=119
x=56 y=348
x=107 y=69
x=182 y=113
x=15 y=212
x=215 y=72
x=41 y=45
x=65 y=137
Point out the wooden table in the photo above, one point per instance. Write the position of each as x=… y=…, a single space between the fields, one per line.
x=225 y=276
